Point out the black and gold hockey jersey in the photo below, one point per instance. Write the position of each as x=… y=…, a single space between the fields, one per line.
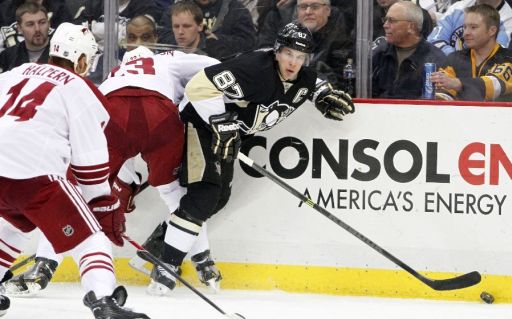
x=491 y=80
x=249 y=85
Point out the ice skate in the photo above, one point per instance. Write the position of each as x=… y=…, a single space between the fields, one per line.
x=36 y=278
x=162 y=282
x=206 y=271
x=111 y=307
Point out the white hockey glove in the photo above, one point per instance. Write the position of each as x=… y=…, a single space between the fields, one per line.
x=333 y=104
x=226 y=136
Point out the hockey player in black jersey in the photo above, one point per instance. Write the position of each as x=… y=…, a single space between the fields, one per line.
x=225 y=102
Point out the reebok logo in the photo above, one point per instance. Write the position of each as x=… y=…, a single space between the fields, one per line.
x=229 y=127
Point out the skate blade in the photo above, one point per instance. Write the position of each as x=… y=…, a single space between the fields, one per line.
x=213 y=285
x=17 y=291
x=138 y=264
x=157 y=289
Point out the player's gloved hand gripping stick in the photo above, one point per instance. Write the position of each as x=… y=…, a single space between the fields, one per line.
x=459 y=282
x=109 y=213
x=226 y=137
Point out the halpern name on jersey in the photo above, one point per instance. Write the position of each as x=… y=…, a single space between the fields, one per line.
x=48 y=72
x=229 y=127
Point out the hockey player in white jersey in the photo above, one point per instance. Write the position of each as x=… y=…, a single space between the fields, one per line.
x=142 y=92
x=51 y=119
x=140 y=84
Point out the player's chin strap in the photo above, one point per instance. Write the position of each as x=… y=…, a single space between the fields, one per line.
x=160 y=263
x=462 y=281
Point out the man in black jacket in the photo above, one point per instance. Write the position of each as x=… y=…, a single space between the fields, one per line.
x=228 y=28
x=32 y=20
x=398 y=61
x=332 y=41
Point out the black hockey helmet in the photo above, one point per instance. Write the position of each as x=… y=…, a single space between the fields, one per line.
x=294 y=36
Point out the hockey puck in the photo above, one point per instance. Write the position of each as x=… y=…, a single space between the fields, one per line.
x=487 y=297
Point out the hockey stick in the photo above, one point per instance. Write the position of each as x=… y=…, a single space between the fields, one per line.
x=160 y=263
x=22 y=263
x=459 y=282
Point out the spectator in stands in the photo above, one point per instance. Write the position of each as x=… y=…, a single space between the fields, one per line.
x=57 y=11
x=32 y=21
x=332 y=43
x=448 y=34
x=9 y=33
x=93 y=14
x=482 y=71
x=380 y=7
x=398 y=62
x=140 y=30
x=241 y=37
x=227 y=25
x=187 y=27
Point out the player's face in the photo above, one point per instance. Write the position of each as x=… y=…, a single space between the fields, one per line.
x=186 y=30
x=140 y=34
x=476 y=33
x=34 y=28
x=290 y=61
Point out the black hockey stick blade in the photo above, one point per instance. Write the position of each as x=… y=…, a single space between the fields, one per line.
x=156 y=261
x=463 y=281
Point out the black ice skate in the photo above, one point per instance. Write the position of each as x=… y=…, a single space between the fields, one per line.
x=34 y=279
x=206 y=271
x=162 y=282
x=111 y=307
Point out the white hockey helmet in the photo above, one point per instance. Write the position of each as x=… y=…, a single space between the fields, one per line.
x=137 y=53
x=70 y=41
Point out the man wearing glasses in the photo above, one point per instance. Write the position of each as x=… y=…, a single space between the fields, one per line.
x=380 y=8
x=398 y=62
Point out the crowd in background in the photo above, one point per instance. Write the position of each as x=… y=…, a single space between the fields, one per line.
x=405 y=35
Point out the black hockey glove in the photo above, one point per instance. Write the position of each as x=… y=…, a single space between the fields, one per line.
x=333 y=104
x=226 y=137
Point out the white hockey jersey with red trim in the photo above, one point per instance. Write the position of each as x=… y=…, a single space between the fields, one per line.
x=52 y=119
x=166 y=73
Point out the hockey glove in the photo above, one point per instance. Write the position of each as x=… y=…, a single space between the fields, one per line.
x=126 y=194
x=107 y=210
x=226 y=136
x=333 y=104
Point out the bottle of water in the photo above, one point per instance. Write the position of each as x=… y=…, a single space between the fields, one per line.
x=349 y=78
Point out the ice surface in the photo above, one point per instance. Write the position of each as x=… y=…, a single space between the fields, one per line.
x=64 y=301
